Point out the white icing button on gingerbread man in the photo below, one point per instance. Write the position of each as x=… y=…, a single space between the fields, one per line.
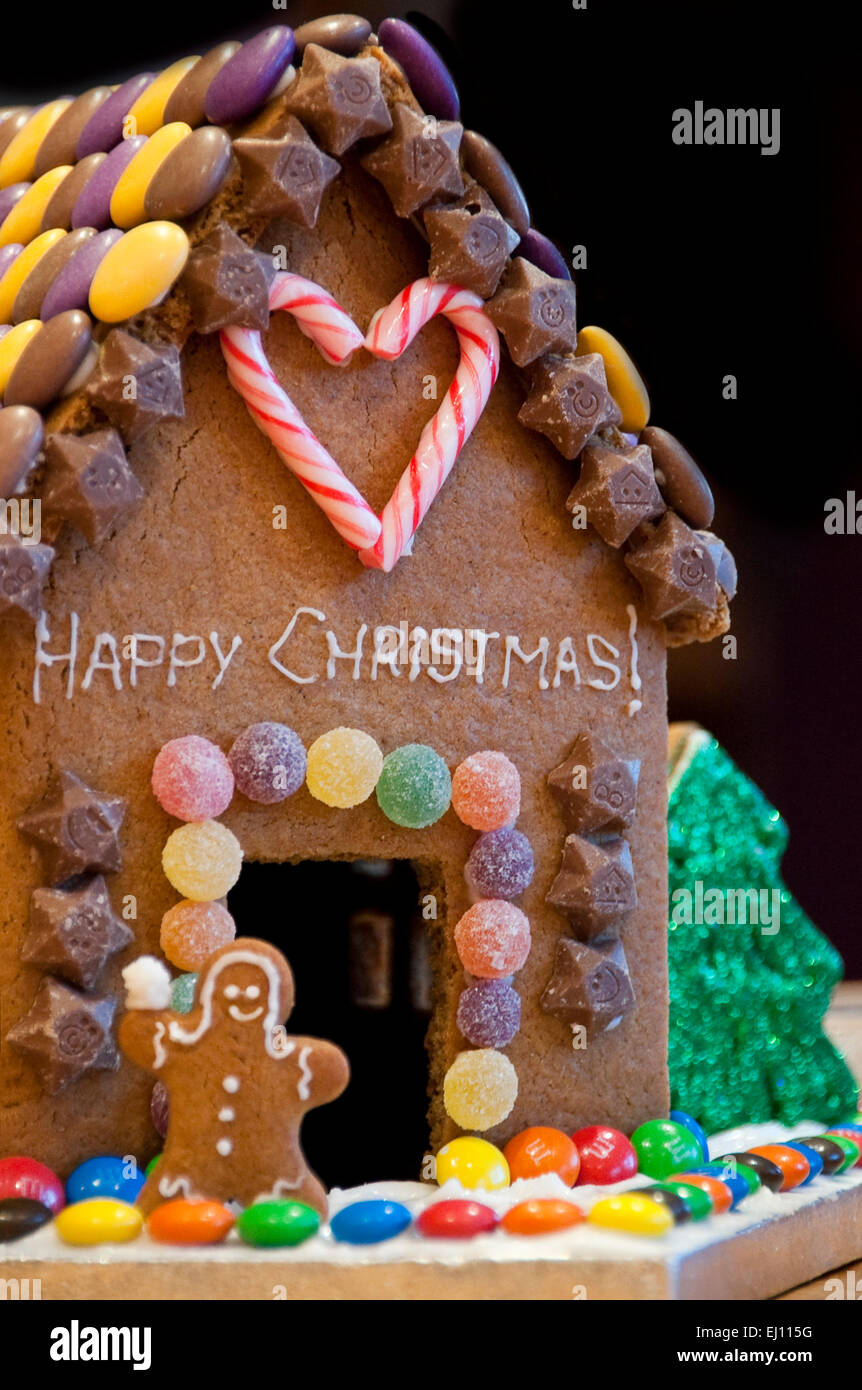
x=226 y=1114
x=231 y=1084
x=224 y=1147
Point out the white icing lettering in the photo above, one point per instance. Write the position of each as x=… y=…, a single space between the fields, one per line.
x=104 y=640
x=176 y=662
x=46 y=658
x=137 y=662
x=447 y=649
x=276 y=647
x=336 y=654
x=223 y=661
x=566 y=661
x=593 y=641
x=513 y=646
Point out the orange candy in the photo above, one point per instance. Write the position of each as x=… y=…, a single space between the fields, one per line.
x=792 y=1163
x=185 y=1222
x=717 y=1191
x=541 y=1149
x=541 y=1216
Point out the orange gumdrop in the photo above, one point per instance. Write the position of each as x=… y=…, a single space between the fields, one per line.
x=540 y=1216
x=717 y=1191
x=793 y=1164
x=186 y=1222
x=542 y=1149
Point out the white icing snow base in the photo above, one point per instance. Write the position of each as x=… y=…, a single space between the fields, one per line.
x=582 y=1242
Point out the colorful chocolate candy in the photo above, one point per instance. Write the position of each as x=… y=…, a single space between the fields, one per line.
x=719 y=1192
x=768 y=1172
x=606 y=1155
x=21 y=435
x=541 y=1149
x=368 y=1223
x=192 y=779
x=98 y=1221
x=137 y=272
x=475 y=1163
x=793 y=1164
x=679 y=1117
x=277 y=1223
x=664 y=1147
x=25 y=1177
x=480 y=1088
x=624 y=380
x=19 y=1216
x=105 y=1176
x=423 y=67
x=457 y=1219
x=183 y=1221
x=540 y=1216
x=633 y=1212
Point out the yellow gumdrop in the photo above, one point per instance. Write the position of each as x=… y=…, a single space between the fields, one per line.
x=20 y=268
x=25 y=218
x=474 y=1162
x=343 y=767
x=138 y=271
x=19 y=157
x=97 y=1221
x=624 y=380
x=12 y=344
x=127 y=199
x=202 y=860
x=147 y=114
x=632 y=1212
x=480 y=1088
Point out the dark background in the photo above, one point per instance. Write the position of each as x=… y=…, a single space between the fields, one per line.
x=704 y=261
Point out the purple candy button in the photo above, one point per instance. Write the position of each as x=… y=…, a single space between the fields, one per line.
x=93 y=208
x=246 y=80
x=71 y=289
x=8 y=254
x=423 y=67
x=104 y=129
x=9 y=197
x=541 y=252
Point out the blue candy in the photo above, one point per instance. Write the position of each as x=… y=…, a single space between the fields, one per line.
x=680 y=1117
x=738 y=1186
x=815 y=1162
x=105 y=1177
x=367 y=1223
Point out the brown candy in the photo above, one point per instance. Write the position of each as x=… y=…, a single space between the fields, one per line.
x=60 y=145
x=23 y=571
x=287 y=176
x=569 y=401
x=590 y=988
x=193 y=172
x=674 y=568
x=228 y=283
x=61 y=204
x=682 y=483
x=21 y=433
x=89 y=481
x=75 y=828
x=186 y=102
x=339 y=98
x=49 y=360
x=617 y=489
x=74 y=931
x=158 y=387
x=595 y=885
x=595 y=787
x=484 y=163
x=65 y=1035
x=418 y=161
x=470 y=242
x=370 y=952
x=341 y=33
x=15 y=120
x=28 y=300
x=534 y=312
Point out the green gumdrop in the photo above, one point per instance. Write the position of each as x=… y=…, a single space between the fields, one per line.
x=664 y=1147
x=151 y=1165
x=698 y=1202
x=851 y=1149
x=415 y=787
x=277 y=1223
x=183 y=993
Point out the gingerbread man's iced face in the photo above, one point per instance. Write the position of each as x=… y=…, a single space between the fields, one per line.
x=242 y=993
x=243 y=986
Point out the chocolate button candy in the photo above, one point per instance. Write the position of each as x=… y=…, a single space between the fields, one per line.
x=682 y=483
x=71 y=287
x=14 y=122
x=8 y=254
x=50 y=359
x=423 y=67
x=21 y=1215
x=105 y=127
x=21 y=434
x=192 y=174
x=541 y=252
x=60 y=145
x=769 y=1173
x=93 y=208
x=28 y=301
x=188 y=99
x=484 y=163
x=62 y=202
x=9 y=196
x=246 y=80
x=831 y=1153
x=340 y=33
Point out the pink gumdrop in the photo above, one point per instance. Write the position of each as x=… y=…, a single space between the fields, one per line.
x=192 y=779
x=493 y=939
x=486 y=791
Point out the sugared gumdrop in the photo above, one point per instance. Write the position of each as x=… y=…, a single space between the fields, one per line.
x=192 y=779
x=268 y=762
x=493 y=939
x=486 y=791
x=500 y=864
x=489 y=1013
x=192 y=931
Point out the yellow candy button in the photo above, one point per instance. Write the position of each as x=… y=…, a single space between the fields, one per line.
x=97 y=1221
x=148 y=111
x=631 y=1212
x=476 y=1163
x=138 y=271
x=127 y=200
x=18 y=160
x=20 y=268
x=25 y=218
x=12 y=344
x=624 y=380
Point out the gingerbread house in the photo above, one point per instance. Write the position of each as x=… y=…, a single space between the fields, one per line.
x=316 y=444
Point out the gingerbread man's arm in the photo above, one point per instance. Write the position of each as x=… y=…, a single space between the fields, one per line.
x=143 y=1037
x=324 y=1071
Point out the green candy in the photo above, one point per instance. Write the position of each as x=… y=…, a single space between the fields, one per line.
x=698 y=1202
x=151 y=1165
x=415 y=787
x=183 y=993
x=742 y=1170
x=277 y=1223
x=664 y=1147
x=851 y=1149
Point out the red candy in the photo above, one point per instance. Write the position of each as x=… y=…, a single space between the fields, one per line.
x=456 y=1220
x=486 y=791
x=539 y=1150
x=606 y=1155
x=192 y=779
x=24 y=1177
x=493 y=939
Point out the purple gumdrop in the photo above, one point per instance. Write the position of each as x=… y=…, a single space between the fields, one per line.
x=71 y=288
x=423 y=67
x=489 y=1013
x=246 y=80
x=541 y=252
x=9 y=197
x=104 y=129
x=160 y=1108
x=8 y=254
x=268 y=762
x=500 y=864
x=93 y=208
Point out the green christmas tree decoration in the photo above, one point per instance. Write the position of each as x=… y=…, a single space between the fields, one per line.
x=746 y=1000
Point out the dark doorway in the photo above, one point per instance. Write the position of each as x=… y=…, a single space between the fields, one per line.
x=354 y=937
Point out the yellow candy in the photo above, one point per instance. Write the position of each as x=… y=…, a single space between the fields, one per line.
x=12 y=344
x=138 y=271
x=202 y=859
x=20 y=268
x=480 y=1088
x=146 y=115
x=624 y=380
x=16 y=166
x=97 y=1221
x=127 y=200
x=631 y=1212
x=343 y=767
x=474 y=1162
x=25 y=218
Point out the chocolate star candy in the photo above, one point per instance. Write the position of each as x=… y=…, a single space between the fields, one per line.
x=76 y=829
x=339 y=98
x=617 y=489
x=65 y=1035
x=590 y=988
x=674 y=568
x=23 y=570
x=596 y=788
x=418 y=161
x=227 y=282
x=89 y=481
x=534 y=312
x=136 y=385
x=287 y=176
x=73 y=931
x=595 y=885
x=470 y=242
x=569 y=401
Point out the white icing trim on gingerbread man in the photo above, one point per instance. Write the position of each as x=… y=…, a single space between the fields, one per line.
x=271 y=1024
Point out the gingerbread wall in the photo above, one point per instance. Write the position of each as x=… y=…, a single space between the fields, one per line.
x=200 y=555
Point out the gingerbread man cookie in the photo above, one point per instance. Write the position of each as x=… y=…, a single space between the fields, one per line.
x=239 y=1085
